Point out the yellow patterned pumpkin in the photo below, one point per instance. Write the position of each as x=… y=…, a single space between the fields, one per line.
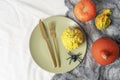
x=102 y=21
x=72 y=38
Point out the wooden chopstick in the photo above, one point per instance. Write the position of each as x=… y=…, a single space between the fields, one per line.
x=53 y=35
x=56 y=53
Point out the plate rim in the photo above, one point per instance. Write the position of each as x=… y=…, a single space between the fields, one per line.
x=79 y=26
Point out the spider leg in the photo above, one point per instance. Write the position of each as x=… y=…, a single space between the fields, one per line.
x=79 y=53
x=70 y=53
x=79 y=59
x=70 y=61
x=68 y=58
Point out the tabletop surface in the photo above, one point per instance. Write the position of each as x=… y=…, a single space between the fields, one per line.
x=18 y=18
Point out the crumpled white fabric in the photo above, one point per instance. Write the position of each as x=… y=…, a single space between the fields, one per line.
x=17 y=20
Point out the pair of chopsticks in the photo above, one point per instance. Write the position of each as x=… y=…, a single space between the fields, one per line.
x=45 y=36
x=53 y=36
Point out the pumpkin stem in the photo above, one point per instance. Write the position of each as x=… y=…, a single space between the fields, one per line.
x=105 y=54
x=84 y=9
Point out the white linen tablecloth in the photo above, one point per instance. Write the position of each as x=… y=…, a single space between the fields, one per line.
x=17 y=20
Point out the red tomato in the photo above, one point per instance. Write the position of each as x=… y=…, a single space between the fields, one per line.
x=85 y=10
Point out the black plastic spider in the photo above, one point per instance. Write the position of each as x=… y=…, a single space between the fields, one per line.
x=74 y=57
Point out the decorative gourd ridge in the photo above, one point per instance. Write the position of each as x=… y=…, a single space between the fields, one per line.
x=102 y=21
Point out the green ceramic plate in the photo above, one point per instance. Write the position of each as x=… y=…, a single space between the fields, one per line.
x=39 y=49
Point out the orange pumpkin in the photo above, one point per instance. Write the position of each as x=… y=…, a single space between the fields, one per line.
x=85 y=10
x=105 y=51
